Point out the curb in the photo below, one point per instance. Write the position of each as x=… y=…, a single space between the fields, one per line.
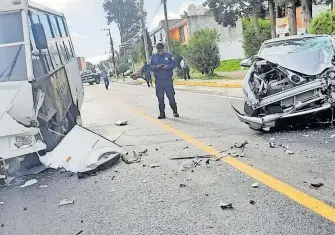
x=208 y=84
x=198 y=84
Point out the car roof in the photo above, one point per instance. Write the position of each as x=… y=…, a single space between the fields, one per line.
x=295 y=37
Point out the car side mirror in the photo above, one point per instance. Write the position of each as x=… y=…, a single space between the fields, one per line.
x=247 y=62
x=39 y=36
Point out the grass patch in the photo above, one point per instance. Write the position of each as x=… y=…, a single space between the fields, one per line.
x=229 y=66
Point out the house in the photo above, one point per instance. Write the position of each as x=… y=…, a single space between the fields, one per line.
x=229 y=38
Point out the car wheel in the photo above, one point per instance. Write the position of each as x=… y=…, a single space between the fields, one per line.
x=97 y=80
x=91 y=83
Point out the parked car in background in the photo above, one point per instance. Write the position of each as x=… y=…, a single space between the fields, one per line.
x=291 y=78
x=89 y=77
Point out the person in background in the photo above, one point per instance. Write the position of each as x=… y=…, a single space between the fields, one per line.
x=147 y=75
x=186 y=69
x=163 y=64
x=106 y=79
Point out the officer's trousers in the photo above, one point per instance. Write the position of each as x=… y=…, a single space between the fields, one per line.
x=165 y=86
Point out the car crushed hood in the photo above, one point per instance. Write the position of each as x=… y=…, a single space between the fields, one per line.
x=309 y=62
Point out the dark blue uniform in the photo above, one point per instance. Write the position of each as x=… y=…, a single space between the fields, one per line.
x=147 y=74
x=164 y=82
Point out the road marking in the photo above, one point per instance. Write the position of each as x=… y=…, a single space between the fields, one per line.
x=300 y=197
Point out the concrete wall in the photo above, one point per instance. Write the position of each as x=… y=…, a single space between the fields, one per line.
x=229 y=38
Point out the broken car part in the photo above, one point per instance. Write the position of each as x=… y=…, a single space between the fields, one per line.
x=290 y=77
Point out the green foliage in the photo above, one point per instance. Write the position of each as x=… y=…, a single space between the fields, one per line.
x=229 y=65
x=135 y=56
x=176 y=48
x=202 y=51
x=126 y=14
x=251 y=41
x=323 y=24
x=123 y=68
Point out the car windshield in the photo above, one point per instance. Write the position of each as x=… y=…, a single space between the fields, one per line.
x=12 y=52
x=296 y=45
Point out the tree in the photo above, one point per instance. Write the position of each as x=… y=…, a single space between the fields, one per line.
x=272 y=18
x=323 y=24
x=202 y=51
x=126 y=14
x=150 y=48
x=184 y=15
x=307 y=6
x=252 y=41
x=227 y=12
x=291 y=13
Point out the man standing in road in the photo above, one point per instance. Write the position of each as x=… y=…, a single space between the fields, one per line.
x=147 y=75
x=186 y=69
x=163 y=64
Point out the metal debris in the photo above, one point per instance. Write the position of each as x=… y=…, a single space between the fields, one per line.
x=182 y=185
x=289 y=152
x=255 y=185
x=190 y=164
x=317 y=184
x=29 y=183
x=136 y=159
x=154 y=165
x=272 y=145
x=25 y=208
x=241 y=145
x=65 y=202
x=225 y=206
x=252 y=202
x=143 y=153
x=190 y=158
x=207 y=161
x=121 y=122
x=80 y=232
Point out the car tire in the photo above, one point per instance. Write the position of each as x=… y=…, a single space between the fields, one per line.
x=91 y=83
x=97 y=80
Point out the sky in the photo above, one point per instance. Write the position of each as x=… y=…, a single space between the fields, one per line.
x=86 y=18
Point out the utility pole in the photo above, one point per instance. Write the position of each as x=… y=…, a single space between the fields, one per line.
x=144 y=32
x=166 y=26
x=112 y=49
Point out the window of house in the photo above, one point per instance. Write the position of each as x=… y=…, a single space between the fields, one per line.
x=62 y=27
x=68 y=49
x=54 y=25
x=62 y=52
x=54 y=54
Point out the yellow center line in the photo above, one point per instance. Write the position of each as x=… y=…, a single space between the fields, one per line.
x=300 y=197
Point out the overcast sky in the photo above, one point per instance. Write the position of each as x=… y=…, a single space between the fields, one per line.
x=87 y=17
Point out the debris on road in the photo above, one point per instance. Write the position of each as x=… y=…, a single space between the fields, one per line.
x=185 y=147
x=2 y=203
x=190 y=158
x=144 y=181
x=272 y=145
x=333 y=136
x=143 y=153
x=241 y=145
x=121 y=122
x=317 y=184
x=80 y=232
x=255 y=185
x=128 y=161
x=29 y=183
x=154 y=165
x=190 y=164
x=25 y=208
x=207 y=161
x=252 y=202
x=225 y=206
x=65 y=202
x=182 y=185
x=289 y=152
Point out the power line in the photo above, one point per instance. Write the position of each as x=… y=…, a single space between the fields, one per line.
x=156 y=12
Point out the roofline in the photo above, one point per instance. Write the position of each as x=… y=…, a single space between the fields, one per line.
x=180 y=23
x=37 y=6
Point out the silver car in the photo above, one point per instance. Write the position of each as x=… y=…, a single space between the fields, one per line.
x=290 y=78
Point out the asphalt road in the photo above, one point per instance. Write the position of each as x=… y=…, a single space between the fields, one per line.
x=136 y=199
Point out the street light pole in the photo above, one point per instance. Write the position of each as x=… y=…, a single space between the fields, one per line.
x=166 y=26
x=144 y=32
x=112 y=49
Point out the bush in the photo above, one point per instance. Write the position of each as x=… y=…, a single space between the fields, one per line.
x=323 y=24
x=202 y=51
x=229 y=65
x=123 y=68
x=251 y=41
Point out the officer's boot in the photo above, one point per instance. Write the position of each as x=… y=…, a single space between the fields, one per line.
x=161 y=112
x=174 y=109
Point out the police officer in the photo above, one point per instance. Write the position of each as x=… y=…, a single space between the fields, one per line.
x=147 y=75
x=162 y=64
